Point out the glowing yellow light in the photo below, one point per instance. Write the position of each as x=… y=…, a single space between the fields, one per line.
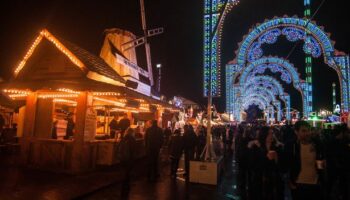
x=13 y=96
x=65 y=101
x=46 y=96
x=116 y=103
x=14 y=91
x=68 y=91
x=59 y=45
x=106 y=94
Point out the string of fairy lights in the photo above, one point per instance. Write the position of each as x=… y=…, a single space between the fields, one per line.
x=64 y=95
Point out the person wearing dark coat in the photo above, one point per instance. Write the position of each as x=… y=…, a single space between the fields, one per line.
x=266 y=176
x=127 y=158
x=242 y=151
x=124 y=124
x=176 y=145
x=190 y=143
x=202 y=141
x=167 y=135
x=113 y=126
x=153 y=143
x=70 y=127
x=338 y=163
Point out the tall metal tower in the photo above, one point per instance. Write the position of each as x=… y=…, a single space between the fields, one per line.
x=308 y=58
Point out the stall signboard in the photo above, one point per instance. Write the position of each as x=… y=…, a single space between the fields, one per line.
x=90 y=124
x=134 y=69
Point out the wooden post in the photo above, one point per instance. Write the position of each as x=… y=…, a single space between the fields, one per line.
x=28 y=126
x=78 y=145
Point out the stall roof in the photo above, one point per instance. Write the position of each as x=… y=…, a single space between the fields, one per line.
x=83 y=59
x=87 y=62
x=92 y=62
x=81 y=85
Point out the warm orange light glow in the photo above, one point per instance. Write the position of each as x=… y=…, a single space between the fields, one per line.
x=57 y=95
x=124 y=110
x=13 y=96
x=144 y=105
x=106 y=94
x=116 y=103
x=14 y=91
x=68 y=91
x=74 y=103
x=58 y=44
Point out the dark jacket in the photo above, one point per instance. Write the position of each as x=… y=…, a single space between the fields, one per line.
x=113 y=125
x=153 y=139
x=126 y=149
x=124 y=124
x=176 y=146
x=190 y=140
x=241 y=149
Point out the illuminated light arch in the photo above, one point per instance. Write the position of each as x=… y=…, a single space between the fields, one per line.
x=317 y=43
x=275 y=65
x=273 y=85
x=288 y=73
x=266 y=81
x=268 y=107
x=293 y=29
x=254 y=101
x=254 y=91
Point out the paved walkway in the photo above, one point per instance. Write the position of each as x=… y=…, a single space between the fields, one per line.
x=18 y=183
x=167 y=189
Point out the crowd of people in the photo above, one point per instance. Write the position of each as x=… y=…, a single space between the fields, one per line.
x=273 y=162
x=297 y=161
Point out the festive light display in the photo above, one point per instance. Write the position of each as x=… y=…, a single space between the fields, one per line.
x=310 y=47
x=274 y=68
x=215 y=12
x=272 y=84
x=254 y=101
x=277 y=65
x=68 y=91
x=15 y=91
x=116 y=103
x=56 y=100
x=293 y=34
x=106 y=94
x=58 y=44
x=342 y=62
x=14 y=96
x=316 y=43
x=294 y=26
x=57 y=95
x=288 y=71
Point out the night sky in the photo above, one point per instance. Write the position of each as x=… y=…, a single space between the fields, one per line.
x=179 y=49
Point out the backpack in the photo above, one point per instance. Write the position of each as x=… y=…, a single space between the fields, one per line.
x=123 y=150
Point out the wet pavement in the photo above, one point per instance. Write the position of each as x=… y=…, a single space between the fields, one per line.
x=18 y=183
x=168 y=189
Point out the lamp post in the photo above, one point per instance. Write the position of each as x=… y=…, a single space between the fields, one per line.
x=159 y=67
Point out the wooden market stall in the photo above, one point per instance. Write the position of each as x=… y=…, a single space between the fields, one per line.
x=70 y=97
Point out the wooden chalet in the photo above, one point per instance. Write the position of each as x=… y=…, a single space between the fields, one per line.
x=56 y=79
